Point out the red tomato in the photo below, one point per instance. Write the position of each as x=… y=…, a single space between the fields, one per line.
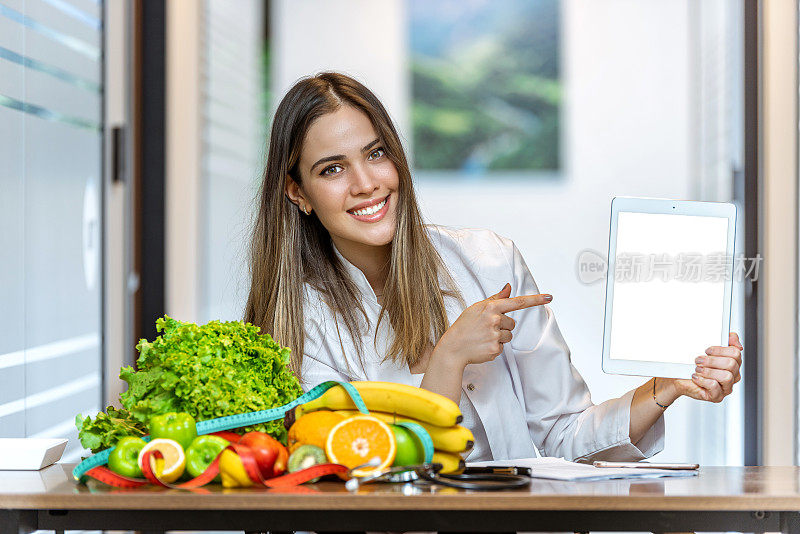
x=227 y=435
x=269 y=453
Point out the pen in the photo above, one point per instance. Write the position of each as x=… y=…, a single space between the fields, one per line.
x=647 y=465
x=499 y=470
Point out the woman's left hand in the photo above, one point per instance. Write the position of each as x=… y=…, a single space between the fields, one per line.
x=716 y=372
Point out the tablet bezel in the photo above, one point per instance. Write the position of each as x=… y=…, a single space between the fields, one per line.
x=670 y=207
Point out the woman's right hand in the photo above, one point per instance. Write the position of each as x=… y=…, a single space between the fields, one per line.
x=478 y=334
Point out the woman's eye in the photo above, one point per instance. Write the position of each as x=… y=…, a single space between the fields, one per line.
x=326 y=169
x=378 y=151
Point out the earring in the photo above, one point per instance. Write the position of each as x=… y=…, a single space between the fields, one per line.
x=304 y=209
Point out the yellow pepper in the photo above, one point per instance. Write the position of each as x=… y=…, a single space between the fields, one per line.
x=232 y=471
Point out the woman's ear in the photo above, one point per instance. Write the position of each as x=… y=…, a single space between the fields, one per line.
x=292 y=190
x=295 y=195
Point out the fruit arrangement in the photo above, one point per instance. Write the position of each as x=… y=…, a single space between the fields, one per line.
x=351 y=438
x=344 y=429
x=175 y=451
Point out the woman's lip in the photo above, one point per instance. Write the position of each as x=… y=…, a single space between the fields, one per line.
x=365 y=206
x=375 y=217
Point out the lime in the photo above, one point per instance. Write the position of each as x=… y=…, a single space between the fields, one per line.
x=409 y=447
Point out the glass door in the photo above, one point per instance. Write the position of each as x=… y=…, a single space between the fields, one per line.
x=51 y=96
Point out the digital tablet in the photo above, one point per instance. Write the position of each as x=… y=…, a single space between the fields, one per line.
x=668 y=284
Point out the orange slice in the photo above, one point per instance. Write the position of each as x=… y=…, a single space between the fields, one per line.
x=359 y=439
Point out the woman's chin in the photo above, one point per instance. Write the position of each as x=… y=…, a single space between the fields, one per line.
x=379 y=239
x=376 y=238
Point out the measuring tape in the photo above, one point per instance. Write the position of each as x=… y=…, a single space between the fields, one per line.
x=94 y=465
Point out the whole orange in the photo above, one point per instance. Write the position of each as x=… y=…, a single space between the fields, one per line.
x=313 y=429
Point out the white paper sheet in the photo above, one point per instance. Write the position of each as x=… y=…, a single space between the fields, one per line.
x=561 y=469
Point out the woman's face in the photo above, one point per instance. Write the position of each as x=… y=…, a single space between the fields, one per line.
x=346 y=176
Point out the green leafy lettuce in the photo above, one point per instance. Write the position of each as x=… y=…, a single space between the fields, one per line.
x=208 y=371
x=108 y=427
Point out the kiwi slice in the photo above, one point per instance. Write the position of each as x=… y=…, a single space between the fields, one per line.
x=306 y=456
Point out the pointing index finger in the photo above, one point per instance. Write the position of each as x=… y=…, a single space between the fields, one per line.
x=524 y=301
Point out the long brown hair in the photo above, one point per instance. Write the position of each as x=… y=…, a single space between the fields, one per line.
x=289 y=249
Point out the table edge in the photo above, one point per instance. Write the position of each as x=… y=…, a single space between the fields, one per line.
x=289 y=502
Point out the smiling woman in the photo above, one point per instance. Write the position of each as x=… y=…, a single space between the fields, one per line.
x=335 y=154
x=339 y=239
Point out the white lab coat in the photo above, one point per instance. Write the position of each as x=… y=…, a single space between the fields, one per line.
x=530 y=396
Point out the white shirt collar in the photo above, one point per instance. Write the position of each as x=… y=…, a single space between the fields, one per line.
x=356 y=274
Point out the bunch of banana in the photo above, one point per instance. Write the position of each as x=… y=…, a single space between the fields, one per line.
x=393 y=403
x=388 y=397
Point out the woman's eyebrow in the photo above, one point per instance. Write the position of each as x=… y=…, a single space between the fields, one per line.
x=342 y=156
x=373 y=143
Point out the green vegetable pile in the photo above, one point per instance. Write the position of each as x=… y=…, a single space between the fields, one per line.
x=208 y=371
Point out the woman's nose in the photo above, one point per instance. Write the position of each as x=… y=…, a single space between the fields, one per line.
x=363 y=181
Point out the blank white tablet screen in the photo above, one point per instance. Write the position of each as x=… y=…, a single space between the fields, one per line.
x=669 y=286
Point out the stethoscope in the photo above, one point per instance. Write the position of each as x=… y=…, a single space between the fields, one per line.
x=431 y=473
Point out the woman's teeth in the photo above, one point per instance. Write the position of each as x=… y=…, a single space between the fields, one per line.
x=370 y=210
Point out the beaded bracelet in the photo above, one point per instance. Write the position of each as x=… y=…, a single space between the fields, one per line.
x=663 y=407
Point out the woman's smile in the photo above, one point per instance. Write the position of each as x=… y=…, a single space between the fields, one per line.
x=373 y=213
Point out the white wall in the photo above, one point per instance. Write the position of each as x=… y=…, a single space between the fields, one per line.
x=779 y=233
x=182 y=260
x=362 y=38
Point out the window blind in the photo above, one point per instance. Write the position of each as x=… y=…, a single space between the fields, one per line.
x=234 y=126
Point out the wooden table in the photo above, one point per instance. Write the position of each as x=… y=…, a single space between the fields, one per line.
x=744 y=499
